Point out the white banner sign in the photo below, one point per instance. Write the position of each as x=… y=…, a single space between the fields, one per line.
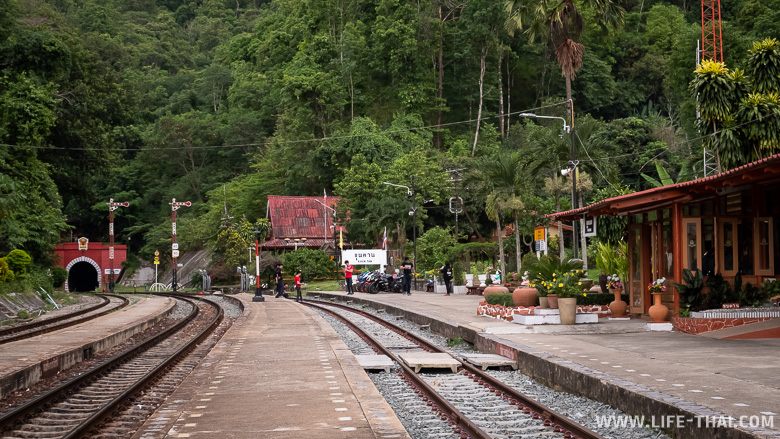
x=116 y=270
x=364 y=257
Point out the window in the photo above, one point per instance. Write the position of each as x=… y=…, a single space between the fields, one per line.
x=692 y=230
x=728 y=247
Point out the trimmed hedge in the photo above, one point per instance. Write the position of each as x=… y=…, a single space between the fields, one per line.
x=598 y=299
x=500 y=299
x=582 y=299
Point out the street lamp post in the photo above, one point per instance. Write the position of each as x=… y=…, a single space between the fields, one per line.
x=413 y=214
x=112 y=206
x=258 y=294
x=570 y=130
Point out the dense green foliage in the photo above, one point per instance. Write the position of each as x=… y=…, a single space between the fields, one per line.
x=225 y=102
x=313 y=264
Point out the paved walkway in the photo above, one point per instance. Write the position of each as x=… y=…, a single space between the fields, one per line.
x=279 y=372
x=700 y=375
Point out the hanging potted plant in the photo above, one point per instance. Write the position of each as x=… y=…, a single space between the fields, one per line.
x=618 y=306
x=567 y=287
x=658 y=311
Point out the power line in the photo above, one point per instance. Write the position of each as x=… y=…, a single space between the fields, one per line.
x=285 y=142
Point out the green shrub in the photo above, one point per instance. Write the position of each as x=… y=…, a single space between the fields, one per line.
x=691 y=297
x=500 y=299
x=312 y=263
x=458 y=274
x=585 y=299
x=750 y=295
x=18 y=260
x=22 y=314
x=5 y=272
x=58 y=276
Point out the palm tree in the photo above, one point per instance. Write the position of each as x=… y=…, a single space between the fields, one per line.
x=560 y=23
x=500 y=179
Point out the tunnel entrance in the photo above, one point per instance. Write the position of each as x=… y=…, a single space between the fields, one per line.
x=82 y=277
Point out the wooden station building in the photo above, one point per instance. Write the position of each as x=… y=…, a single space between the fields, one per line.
x=726 y=223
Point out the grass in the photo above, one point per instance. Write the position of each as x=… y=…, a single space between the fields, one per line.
x=322 y=285
x=455 y=341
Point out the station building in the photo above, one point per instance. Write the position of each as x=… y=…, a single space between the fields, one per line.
x=725 y=223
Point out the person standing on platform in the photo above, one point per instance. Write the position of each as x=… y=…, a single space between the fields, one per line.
x=298 y=297
x=279 y=281
x=348 y=269
x=407 y=281
x=446 y=274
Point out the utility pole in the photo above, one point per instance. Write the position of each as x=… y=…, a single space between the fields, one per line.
x=414 y=234
x=112 y=206
x=174 y=245
x=575 y=244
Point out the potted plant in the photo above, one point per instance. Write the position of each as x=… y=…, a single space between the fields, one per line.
x=542 y=271
x=618 y=306
x=567 y=287
x=658 y=311
x=691 y=298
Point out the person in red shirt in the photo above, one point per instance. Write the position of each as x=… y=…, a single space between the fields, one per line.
x=348 y=269
x=299 y=297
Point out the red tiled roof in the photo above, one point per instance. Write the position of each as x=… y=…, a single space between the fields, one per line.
x=657 y=194
x=301 y=217
x=309 y=243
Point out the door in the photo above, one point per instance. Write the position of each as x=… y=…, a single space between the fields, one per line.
x=636 y=276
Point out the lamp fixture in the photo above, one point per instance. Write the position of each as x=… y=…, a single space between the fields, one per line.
x=571 y=166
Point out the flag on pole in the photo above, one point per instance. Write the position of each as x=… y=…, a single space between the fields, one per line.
x=384 y=239
x=341 y=240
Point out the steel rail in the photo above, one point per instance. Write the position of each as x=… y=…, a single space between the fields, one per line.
x=557 y=421
x=21 y=332
x=437 y=402
x=12 y=418
x=90 y=423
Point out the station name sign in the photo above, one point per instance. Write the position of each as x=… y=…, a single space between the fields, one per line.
x=365 y=257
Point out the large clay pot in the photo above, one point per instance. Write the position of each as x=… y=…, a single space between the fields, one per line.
x=524 y=296
x=552 y=300
x=618 y=307
x=543 y=302
x=495 y=289
x=568 y=310
x=658 y=312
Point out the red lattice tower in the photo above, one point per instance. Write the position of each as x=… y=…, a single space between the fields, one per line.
x=711 y=39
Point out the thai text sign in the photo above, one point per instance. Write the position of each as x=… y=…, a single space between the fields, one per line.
x=365 y=257
x=539 y=234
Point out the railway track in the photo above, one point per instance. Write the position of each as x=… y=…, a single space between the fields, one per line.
x=85 y=405
x=109 y=303
x=471 y=402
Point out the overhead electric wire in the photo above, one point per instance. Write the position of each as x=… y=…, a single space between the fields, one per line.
x=285 y=142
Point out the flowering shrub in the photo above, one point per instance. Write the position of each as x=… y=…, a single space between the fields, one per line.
x=566 y=285
x=613 y=282
x=657 y=286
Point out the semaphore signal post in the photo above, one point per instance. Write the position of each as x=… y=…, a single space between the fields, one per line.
x=174 y=245
x=112 y=206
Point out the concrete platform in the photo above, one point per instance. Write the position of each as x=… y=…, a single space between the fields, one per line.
x=622 y=364
x=25 y=362
x=553 y=317
x=279 y=372
x=427 y=360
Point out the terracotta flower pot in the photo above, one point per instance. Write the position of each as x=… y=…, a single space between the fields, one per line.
x=495 y=289
x=618 y=307
x=658 y=311
x=524 y=296
x=543 y=302
x=552 y=300
x=568 y=310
